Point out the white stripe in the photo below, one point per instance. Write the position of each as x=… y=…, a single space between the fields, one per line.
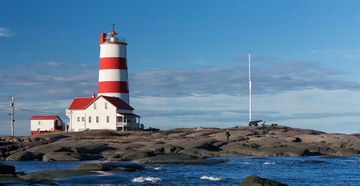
x=113 y=75
x=112 y=50
x=122 y=96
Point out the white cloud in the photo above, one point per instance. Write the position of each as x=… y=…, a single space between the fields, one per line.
x=271 y=78
x=296 y=94
x=4 y=32
x=54 y=80
x=347 y=53
x=51 y=80
x=312 y=108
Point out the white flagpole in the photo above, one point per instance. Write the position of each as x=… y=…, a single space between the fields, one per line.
x=249 y=90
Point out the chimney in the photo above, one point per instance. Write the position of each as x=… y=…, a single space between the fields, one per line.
x=93 y=95
x=102 y=38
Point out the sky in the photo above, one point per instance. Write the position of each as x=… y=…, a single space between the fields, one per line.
x=188 y=60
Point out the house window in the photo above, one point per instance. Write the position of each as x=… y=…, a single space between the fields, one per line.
x=97 y=119
x=94 y=105
x=119 y=119
x=82 y=118
x=89 y=119
x=39 y=122
x=107 y=119
x=105 y=105
x=78 y=118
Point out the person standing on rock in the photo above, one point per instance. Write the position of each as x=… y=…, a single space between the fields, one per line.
x=227 y=136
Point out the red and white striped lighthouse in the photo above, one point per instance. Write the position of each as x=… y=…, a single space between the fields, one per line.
x=113 y=75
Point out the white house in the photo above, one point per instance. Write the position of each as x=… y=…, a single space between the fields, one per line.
x=102 y=112
x=43 y=124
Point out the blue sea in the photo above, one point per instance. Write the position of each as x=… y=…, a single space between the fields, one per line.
x=288 y=170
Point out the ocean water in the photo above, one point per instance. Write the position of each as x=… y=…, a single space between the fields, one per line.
x=288 y=170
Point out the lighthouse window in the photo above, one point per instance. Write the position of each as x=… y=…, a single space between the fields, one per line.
x=105 y=105
x=94 y=105
x=78 y=118
x=107 y=119
x=39 y=122
x=97 y=119
x=89 y=119
x=82 y=119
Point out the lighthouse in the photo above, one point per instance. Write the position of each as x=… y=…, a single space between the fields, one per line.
x=111 y=109
x=113 y=74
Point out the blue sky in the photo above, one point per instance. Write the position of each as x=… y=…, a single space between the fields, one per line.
x=187 y=60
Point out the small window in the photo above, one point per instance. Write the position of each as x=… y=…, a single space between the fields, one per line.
x=39 y=122
x=89 y=119
x=82 y=118
x=119 y=119
x=78 y=118
x=105 y=105
x=107 y=119
x=94 y=105
x=97 y=119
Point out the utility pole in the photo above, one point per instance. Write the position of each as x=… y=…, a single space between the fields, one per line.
x=12 y=106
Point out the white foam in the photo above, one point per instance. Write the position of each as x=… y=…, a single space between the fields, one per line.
x=158 y=168
x=144 y=179
x=269 y=163
x=210 y=178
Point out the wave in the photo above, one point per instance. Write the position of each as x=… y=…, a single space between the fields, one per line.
x=144 y=179
x=210 y=178
x=269 y=163
x=245 y=162
x=158 y=168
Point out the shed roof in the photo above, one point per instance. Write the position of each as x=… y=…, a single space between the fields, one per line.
x=45 y=118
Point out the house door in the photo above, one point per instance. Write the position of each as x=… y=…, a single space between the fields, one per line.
x=56 y=125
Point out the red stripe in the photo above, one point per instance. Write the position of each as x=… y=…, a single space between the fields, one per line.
x=35 y=132
x=113 y=63
x=122 y=43
x=113 y=87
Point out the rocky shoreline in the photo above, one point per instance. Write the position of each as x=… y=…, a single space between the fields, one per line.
x=178 y=146
x=127 y=151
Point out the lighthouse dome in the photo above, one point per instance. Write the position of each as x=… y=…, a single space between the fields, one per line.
x=113 y=37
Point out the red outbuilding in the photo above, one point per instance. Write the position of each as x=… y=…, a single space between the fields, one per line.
x=43 y=124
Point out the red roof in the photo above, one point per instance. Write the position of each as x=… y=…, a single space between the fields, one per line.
x=128 y=114
x=118 y=103
x=44 y=118
x=112 y=32
x=83 y=103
